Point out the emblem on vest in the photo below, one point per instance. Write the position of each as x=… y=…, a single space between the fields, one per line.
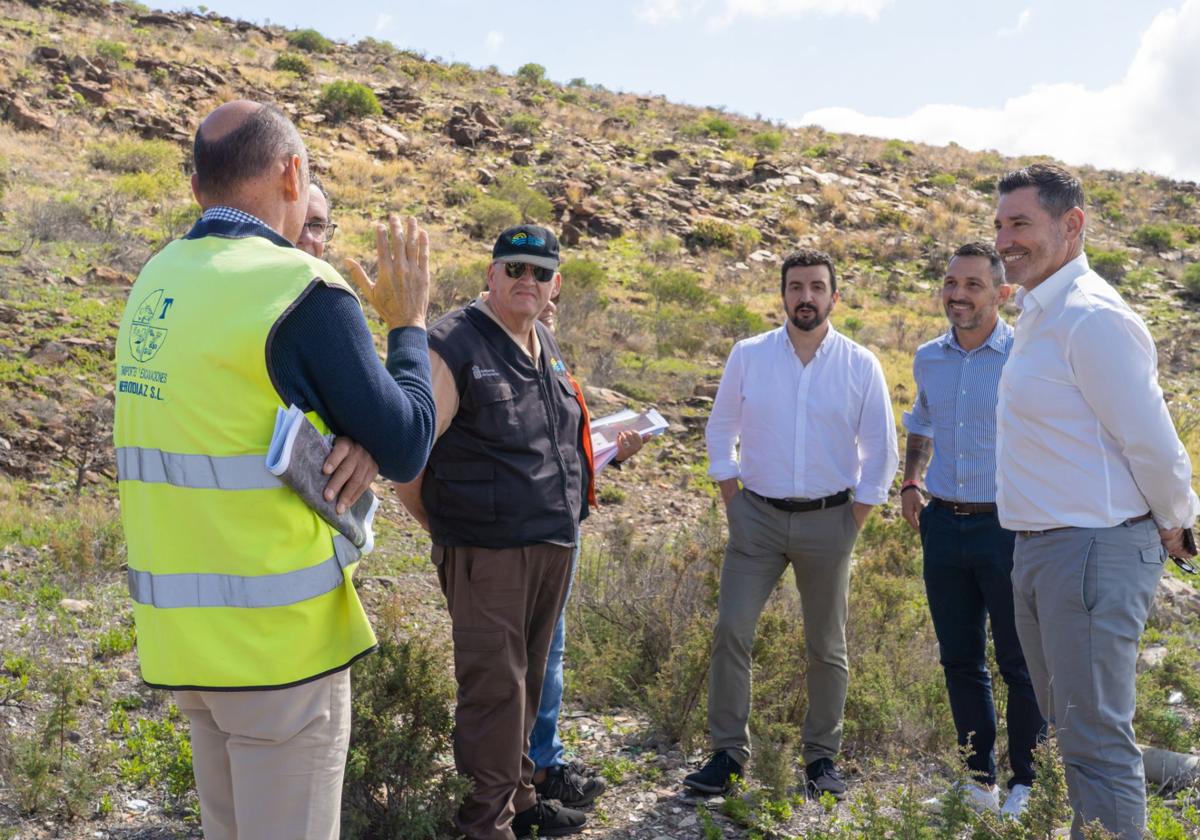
x=482 y=373
x=557 y=366
x=146 y=334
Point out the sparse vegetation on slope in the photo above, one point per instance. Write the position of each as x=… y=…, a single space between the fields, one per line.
x=673 y=220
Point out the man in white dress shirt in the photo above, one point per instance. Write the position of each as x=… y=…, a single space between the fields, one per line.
x=1092 y=477
x=802 y=419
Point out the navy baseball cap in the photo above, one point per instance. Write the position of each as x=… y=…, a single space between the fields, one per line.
x=531 y=244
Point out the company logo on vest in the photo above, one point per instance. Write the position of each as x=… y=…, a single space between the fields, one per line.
x=481 y=373
x=146 y=334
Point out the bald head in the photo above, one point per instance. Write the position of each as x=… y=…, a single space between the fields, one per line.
x=239 y=142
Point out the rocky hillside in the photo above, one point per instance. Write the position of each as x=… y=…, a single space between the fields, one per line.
x=674 y=220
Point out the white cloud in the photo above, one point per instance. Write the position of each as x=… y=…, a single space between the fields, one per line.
x=1022 y=24
x=494 y=40
x=661 y=11
x=797 y=8
x=383 y=22
x=1150 y=119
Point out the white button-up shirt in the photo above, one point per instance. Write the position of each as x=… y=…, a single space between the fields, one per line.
x=1083 y=436
x=790 y=430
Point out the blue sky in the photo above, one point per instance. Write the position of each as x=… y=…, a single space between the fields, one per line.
x=1108 y=82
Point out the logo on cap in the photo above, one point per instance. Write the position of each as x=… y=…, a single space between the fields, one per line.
x=521 y=239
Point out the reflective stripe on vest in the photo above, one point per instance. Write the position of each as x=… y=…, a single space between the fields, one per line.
x=202 y=472
x=211 y=590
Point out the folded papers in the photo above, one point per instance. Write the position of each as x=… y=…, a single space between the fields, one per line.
x=606 y=429
x=297 y=455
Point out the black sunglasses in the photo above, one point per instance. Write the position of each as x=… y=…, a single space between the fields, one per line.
x=516 y=270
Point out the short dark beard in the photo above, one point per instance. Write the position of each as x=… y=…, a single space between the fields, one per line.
x=809 y=326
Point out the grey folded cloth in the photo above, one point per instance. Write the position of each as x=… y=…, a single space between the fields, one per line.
x=297 y=454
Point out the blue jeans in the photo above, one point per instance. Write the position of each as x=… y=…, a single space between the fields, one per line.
x=968 y=568
x=545 y=747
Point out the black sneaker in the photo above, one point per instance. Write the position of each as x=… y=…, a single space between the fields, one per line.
x=580 y=768
x=823 y=777
x=550 y=818
x=569 y=786
x=715 y=776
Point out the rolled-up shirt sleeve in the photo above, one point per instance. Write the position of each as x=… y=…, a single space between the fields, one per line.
x=725 y=423
x=918 y=421
x=1116 y=369
x=876 y=440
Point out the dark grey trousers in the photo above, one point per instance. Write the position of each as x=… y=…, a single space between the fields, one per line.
x=1081 y=597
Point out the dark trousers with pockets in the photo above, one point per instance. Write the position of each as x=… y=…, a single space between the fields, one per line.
x=504 y=604
x=968 y=578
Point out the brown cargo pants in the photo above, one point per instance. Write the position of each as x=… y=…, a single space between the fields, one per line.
x=504 y=604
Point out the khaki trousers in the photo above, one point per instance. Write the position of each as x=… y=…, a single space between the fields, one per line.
x=504 y=605
x=269 y=764
x=763 y=542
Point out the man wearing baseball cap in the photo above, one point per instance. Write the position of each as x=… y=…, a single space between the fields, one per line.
x=506 y=486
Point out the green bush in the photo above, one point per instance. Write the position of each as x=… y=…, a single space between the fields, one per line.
x=1154 y=237
x=309 y=40
x=531 y=204
x=133 y=155
x=526 y=125
x=460 y=193
x=531 y=74
x=294 y=63
x=582 y=300
x=717 y=233
x=489 y=215
x=896 y=152
x=985 y=184
x=711 y=126
x=943 y=180
x=455 y=285
x=159 y=755
x=115 y=641
x=578 y=82
x=767 y=141
x=610 y=494
x=580 y=275
x=1191 y=280
x=817 y=150
x=1108 y=264
x=737 y=322
x=113 y=51
x=397 y=781
x=678 y=285
x=341 y=100
x=47 y=770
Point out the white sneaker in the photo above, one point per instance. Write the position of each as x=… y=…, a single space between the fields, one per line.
x=1017 y=801
x=978 y=799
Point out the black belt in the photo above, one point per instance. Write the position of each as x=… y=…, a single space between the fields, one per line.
x=804 y=505
x=1133 y=520
x=964 y=508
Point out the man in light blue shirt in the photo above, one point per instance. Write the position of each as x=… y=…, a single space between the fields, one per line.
x=968 y=555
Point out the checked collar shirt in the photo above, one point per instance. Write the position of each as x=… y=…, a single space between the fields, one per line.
x=956 y=407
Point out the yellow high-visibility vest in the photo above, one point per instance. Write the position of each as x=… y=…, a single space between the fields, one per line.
x=236 y=582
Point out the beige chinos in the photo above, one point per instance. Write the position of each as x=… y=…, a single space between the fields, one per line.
x=269 y=764
x=763 y=542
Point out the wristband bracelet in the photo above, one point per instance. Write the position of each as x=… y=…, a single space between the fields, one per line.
x=910 y=485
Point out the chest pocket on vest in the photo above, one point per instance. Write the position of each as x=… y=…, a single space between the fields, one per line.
x=466 y=490
x=493 y=400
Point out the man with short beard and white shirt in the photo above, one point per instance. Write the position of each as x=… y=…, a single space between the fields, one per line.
x=1093 y=478
x=803 y=420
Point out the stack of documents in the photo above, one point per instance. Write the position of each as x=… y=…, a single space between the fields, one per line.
x=297 y=455
x=606 y=429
